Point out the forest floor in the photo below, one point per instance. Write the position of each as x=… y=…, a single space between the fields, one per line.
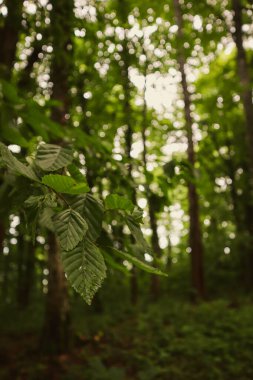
x=162 y=341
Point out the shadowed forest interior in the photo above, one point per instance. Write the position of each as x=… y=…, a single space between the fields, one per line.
x=126 y=190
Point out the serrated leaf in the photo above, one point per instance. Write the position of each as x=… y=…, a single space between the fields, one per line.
x=70 y=228
x=64 y=184
x=136 y=231
x=92 y=211
x=85 y=269
x=138 y=263
x=34 y=200
x=15 y=165
x=47 y=200
x=118 y=202
x=52 y=157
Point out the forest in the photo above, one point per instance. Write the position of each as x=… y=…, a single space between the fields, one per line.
x=126 y=190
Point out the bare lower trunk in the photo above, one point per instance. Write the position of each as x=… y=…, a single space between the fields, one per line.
x=155 y=280
x=55 y=338
x=5 y=265
x=156 y=249
x=57 y=318
x=26 y=266
x=246 y=96
x=195 y=238
x=9 y=34
x=134 y=290
x=20 y=265
x=244 y=77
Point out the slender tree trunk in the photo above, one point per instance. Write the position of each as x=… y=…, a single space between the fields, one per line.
x=55 y=337
x=2 y=234
x=129 y=139
x=56 y=332
x=20 y=267
x=246 y=96
x=155 y=283
x=9 y=35
x=134 y=289
x=245 y=82
x=26 y=266
x=28 y=280
x=195 y=230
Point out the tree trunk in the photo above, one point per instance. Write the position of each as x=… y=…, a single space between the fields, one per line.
x=20 y=266
x=245 y=82
x=9 y=35
x=155 y=283
x=195 y=236
x=57 y=322
x=129 y=138
x=56 y=332
x=134 y=290
x=28 y=280
x=3 y=261
x=246 y=96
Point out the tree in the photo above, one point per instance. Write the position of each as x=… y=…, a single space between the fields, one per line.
x=195 y=230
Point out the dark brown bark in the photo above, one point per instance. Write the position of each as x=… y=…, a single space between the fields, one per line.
x=61 y=29
x=56 y=332
x=9 y=34
x=20 y=262
x=3 y=262
x=245 y=82
x=155 y=283
x=26 y=266
x=128 y=141
x=55 y=338
x=28 y=280
x=246 y=96
x=195 y=237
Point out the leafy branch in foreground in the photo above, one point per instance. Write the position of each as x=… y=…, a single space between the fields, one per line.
x=58 y=199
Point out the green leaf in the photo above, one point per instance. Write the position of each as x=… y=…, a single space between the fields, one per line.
x=48 y=200
x=115 y=265
x=13 y=135
x=85 y=269
x=76 y=174
x=53 y=157
x=64 y=184
x=138 y=263
x=115 y=201
x=92 y=211
x=15 y=165
x=10 y=92
x=136 y=231
x=70 y=227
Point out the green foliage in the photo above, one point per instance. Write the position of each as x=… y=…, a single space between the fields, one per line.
x=70 y=228
x=76 y=219
x=85 y=269
x=117 y=202
x=138 y=263
x=15 y=165
x=64 y=184
x=53 y=157
x=92 y=211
